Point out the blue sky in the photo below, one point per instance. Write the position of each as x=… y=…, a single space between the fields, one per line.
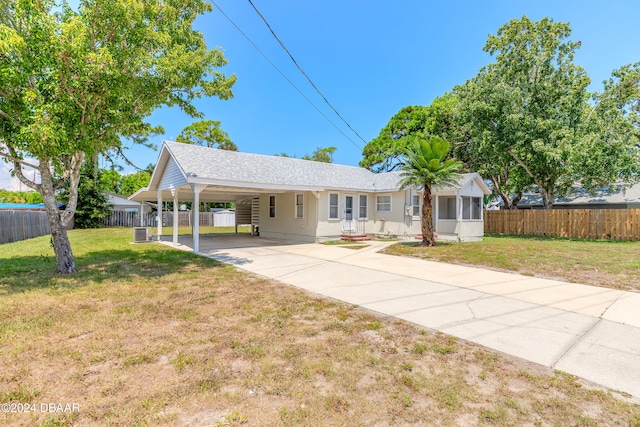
x=370 y=59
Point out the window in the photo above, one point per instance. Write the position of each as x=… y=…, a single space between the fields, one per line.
x=383 y=203
x=447 y=207
x=299 y=205
x=471 y=207
x=333 y=206
x=415 y=205
x=272 y=206
x=362 y=210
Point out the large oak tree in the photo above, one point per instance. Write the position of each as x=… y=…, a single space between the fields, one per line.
x=73 y=84
x=530 y=119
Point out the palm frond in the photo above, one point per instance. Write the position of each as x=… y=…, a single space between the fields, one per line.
x=425 y=164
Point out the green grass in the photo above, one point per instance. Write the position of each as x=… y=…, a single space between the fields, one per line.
x=148 y=335
x=611 y=264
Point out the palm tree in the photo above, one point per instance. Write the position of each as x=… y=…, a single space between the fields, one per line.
x=425 y=165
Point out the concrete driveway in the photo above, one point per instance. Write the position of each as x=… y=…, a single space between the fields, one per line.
x=587 y=331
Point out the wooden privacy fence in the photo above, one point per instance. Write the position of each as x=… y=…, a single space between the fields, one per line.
x=611 y=224
x=16 y=225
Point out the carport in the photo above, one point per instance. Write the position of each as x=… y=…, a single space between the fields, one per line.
x=184 y=174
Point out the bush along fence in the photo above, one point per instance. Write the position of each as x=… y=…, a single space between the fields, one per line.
x=16 y=225
x=610 y=224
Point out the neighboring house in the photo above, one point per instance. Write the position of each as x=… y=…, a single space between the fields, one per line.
x=615 y=197
x=122 y=203
x=309 y=201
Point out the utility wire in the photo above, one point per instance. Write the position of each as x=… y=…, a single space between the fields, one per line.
x=303 y=73
x=284 y=76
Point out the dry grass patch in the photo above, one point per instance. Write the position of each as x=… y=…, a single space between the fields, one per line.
x=193 y=343
x=610 y=264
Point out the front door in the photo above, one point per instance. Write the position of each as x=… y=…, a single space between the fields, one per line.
x=348 y=223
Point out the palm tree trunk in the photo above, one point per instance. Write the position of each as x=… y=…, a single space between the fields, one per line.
x=428 y=238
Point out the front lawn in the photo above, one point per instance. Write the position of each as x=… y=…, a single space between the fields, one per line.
x=144 y=335
x=610 y=264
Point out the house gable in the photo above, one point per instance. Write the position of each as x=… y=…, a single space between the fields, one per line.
x=173 y=177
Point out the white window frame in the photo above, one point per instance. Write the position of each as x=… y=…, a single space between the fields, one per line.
x=468 y=215
x=379 y=204
x=415 y=207
x=366 y=206
x=298 y=207
x=272 y=214
x=337 y=206
x=441 y=199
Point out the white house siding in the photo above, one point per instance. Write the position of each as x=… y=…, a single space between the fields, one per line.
x=285 y=225
x=328 y=229
x=471 y=231
x=172 y=176
x=394 y=223
x=459 y=229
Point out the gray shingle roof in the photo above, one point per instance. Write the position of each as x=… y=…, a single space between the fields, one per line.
x=214 y=164
x=579 y=196
x=232 y=166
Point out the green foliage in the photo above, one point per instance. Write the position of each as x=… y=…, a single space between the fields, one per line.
x=324 y=155
x=132 y=182
x=321 y=154
x=72 y=84
x=112 y=181
x=384 y=152
x=93 y=204
x=207 y=133
x=527 y=118
x=426 y=165
x=30 y=197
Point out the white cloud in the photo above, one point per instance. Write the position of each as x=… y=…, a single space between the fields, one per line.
x=8 y=182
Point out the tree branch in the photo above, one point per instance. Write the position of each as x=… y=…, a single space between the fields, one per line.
x=17 y=160
x=5 y=115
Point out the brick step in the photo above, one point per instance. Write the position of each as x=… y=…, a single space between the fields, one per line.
x=355 y=237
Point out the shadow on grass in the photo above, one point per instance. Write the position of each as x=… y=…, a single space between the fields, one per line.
x=26 y=273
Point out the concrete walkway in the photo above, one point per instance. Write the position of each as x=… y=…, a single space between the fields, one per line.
x=587 y=331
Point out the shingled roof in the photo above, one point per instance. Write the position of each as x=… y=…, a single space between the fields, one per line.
x=235 y=169
x=233 y=166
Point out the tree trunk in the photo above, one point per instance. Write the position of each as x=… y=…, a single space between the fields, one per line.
x=506 y=201
x=516 y=200
x=428 y=238
x=65 y=264
x=547 y=198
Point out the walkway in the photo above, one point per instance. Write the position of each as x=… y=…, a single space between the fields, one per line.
x=587 y=331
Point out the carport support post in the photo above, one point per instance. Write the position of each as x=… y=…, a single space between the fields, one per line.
x=197 y=188
x=160 y=212
x=176 y=219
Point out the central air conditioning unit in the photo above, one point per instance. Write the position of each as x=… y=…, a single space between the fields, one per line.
x=141 y=235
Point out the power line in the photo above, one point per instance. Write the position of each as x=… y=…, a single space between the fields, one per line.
x=284 y=76
x=303 y=72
